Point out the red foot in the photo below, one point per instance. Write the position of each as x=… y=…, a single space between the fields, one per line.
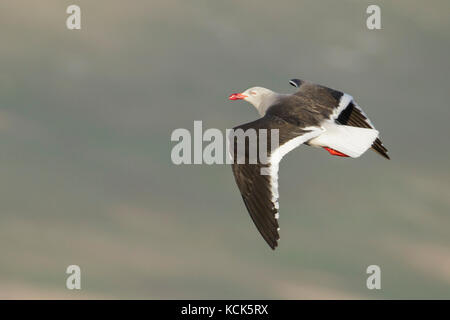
x=335 y=153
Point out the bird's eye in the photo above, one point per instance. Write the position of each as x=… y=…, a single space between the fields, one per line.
x=253 y=93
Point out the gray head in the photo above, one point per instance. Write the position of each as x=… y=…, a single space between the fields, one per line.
x=261 y=98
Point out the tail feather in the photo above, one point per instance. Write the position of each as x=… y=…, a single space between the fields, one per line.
x=379 y=148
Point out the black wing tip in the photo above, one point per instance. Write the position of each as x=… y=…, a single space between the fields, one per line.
x=273 y=242
x=382 y=153
x=379 y=148
x=295 y=83
x=273 y=245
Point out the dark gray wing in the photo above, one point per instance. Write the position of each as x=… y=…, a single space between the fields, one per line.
x=338 y=106
x=260 y=191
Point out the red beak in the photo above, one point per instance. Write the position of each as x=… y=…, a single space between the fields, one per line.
x=237 y=96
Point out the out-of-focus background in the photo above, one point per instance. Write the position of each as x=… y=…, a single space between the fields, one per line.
x=86 y=176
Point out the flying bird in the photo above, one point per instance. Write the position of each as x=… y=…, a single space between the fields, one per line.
x=316 y=116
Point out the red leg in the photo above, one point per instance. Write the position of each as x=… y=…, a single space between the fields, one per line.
x=335 y=152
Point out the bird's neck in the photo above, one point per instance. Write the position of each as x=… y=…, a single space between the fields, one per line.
x=268 y=101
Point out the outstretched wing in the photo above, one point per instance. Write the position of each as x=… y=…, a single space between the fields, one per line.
x=258 y=180
x=338 y=106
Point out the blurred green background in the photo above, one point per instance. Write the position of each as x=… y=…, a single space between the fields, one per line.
x=85 y=170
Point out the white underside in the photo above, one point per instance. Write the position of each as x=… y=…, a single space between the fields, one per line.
x=348 y=140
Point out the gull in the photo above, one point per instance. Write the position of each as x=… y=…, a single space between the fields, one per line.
x=315 y=116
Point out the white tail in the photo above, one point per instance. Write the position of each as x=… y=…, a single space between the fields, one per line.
x=351 y=141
